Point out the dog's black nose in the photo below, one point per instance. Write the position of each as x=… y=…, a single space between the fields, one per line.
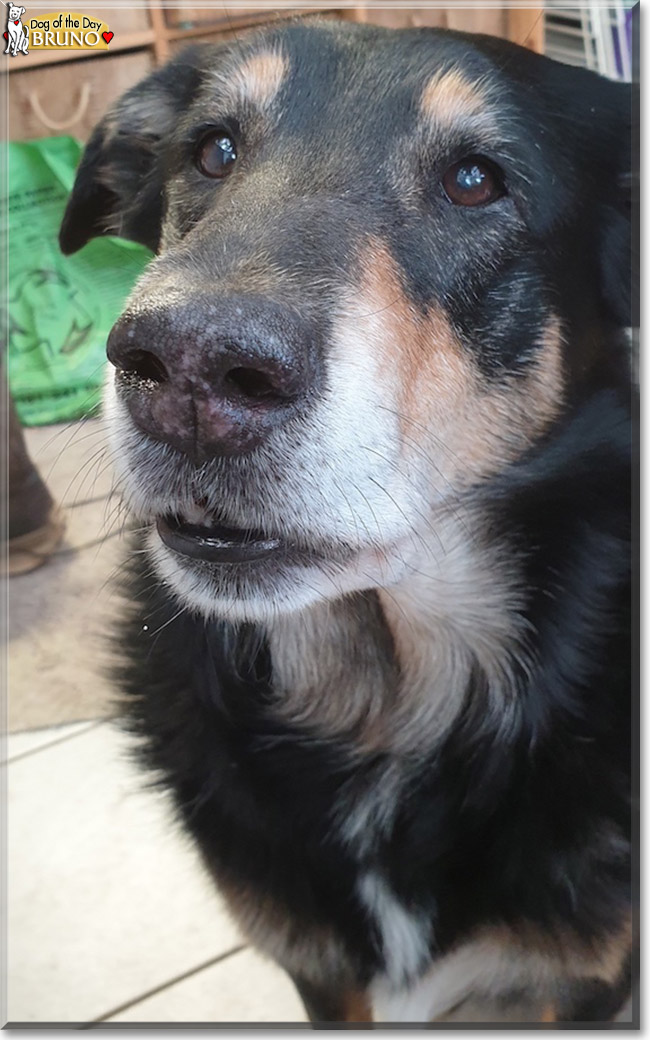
x=214 y=377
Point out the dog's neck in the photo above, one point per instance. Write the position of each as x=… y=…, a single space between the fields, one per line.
x=392 y=669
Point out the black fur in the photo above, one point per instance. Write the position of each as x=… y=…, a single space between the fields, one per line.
x=493 y=826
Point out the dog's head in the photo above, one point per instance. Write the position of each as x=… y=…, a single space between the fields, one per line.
x=14 y=12
x=387 y=263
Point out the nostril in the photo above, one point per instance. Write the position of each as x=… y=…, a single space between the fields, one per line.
x=252 y=383
x=145 y=365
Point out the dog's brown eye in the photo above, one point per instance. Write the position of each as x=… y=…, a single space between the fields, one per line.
x=473 y=182
x=216 y=154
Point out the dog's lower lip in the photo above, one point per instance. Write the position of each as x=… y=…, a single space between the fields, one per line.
x=216 y=544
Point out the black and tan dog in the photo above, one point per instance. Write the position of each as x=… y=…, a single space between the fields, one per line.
x=371 y=406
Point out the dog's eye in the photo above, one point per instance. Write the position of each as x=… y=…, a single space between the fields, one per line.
x=216 y=154
x=473 y=182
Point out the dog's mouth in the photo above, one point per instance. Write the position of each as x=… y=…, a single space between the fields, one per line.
x=251 y=573
x=217 y=543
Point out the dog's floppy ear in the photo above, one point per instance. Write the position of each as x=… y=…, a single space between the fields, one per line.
x=595 y=117
x=617 y=244
x=612 y=127
x=119 y=184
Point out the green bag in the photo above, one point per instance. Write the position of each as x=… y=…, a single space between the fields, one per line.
x=59 y=309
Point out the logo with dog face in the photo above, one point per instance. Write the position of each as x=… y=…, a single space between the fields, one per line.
x=16 y=33
x=68 y=30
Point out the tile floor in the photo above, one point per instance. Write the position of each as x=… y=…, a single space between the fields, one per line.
x=110 y=915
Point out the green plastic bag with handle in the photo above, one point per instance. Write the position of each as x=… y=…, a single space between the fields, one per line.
x=58 y=310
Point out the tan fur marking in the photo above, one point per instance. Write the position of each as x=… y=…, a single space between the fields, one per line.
x=469 y=426
x=604 y=960
x=259 y=79
x=449 y=601
x=496 y=962
x=449 y=96
x=357 y=1007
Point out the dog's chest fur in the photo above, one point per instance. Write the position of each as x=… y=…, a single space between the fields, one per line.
x=325 y=751
x=390 y=670
x=389 y=896
x=364 y=782
x=385 y=677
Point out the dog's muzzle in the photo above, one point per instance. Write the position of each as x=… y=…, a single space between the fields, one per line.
x=214 y=379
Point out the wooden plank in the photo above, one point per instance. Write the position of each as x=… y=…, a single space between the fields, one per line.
x=70 y=97
x=358 y=13
x=405 y=17
x=490 y=20
x=184 y=16
x=244 y=21
x=526 y=27
x=160 y=32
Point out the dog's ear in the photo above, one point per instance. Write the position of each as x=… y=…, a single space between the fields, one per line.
x=618 y=241
x=594 y=115
x=607 y=108
x=118 y=189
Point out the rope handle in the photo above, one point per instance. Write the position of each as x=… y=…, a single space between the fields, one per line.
x=65 y=124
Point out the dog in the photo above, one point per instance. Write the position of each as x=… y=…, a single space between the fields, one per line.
x=371 y=411
x=17 y=35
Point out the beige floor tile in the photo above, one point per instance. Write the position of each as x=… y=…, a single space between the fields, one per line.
x=57 y=649
x=106 y=900
x=72 y=458
x=75 y=462
x=17 y=744
x=58 y=618
x=243 y=988
x=58 y=614
x=95 y=522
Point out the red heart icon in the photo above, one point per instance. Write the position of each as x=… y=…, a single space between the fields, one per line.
x=108 y=36
x=16 y=23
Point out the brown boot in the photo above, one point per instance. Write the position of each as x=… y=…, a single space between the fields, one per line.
x=35 y=525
